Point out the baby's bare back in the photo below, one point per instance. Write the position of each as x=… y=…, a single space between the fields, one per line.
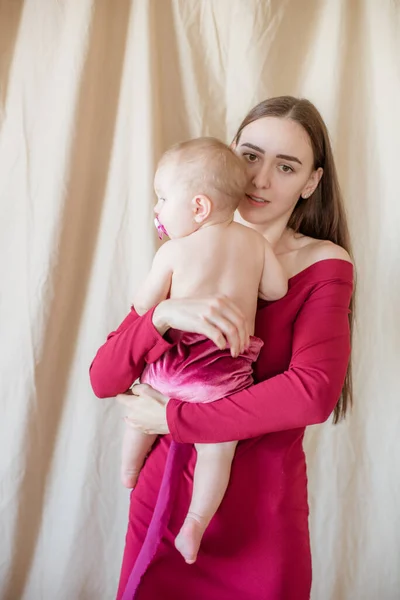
x=220 y=259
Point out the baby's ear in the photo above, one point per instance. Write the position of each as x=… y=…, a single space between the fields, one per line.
x=201 y=206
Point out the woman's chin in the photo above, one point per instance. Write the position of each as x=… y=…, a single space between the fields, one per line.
x=253 y=214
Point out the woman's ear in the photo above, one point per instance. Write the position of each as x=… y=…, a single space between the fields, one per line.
x=201 y=206
x=312 y=183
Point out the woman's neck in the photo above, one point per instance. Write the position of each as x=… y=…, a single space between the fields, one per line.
x=276 y=232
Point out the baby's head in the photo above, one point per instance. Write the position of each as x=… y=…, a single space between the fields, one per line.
x=198 y=182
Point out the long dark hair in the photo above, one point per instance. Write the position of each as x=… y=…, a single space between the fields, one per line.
x=322 y=215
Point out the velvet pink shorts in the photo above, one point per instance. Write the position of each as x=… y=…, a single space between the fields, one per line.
x=196 y=370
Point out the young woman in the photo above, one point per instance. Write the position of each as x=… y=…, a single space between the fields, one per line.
x=257 y=545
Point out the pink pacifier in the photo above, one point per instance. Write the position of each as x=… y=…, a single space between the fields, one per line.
x=160 y=228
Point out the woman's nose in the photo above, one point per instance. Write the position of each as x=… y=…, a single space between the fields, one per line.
x=262 y=178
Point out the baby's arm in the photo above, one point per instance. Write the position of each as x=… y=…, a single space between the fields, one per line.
x=158 y=282
x=274 y=283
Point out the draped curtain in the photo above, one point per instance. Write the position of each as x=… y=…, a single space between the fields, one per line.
x=92 y=91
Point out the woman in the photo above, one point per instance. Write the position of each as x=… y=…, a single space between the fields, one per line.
x=257 y=545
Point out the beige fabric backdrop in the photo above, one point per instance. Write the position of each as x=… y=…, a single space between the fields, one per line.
x=91 y=93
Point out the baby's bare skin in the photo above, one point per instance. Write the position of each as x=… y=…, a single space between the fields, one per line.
x=229 y=261
x=218 y=259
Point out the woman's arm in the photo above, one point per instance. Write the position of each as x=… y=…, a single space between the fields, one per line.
x=121 y=360
x=303 y=395
x=138 y=340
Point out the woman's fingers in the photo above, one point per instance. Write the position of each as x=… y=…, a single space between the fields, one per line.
x=228 y=332
x=130 y=401
x=130 y=423
x=235 y=316
x=229 y=320
x=125 y=399
x=217 y=318
x=146 y=409
x=211 y=331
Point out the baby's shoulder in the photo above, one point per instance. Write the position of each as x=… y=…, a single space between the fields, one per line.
x=248 y=234
x=168 y=252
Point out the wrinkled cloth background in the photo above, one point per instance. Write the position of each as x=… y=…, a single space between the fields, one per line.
x=91 y=93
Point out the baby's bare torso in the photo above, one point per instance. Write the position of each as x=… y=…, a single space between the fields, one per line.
x=220 y=259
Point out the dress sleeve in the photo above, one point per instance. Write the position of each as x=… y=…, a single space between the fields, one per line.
x=120 y=361
x=303 y=395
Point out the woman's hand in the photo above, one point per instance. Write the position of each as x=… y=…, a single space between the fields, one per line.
x=147 y=409
x=216 y=317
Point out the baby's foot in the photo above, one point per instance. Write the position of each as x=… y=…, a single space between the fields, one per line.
x=189 y=538
x=129 y=477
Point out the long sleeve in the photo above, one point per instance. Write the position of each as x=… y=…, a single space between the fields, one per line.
x=120 y=361
x=305 y=394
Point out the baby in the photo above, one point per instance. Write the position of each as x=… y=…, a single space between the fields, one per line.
x=199 y=185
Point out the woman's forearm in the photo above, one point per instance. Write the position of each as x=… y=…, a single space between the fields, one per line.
x=121 y=359
x=291 y=400
x=305 y=394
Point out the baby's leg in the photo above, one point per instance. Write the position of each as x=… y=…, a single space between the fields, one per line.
x=135 y=447
x=211 y=478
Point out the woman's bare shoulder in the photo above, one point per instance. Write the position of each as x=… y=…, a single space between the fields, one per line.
x=311 y=251
x=318 y=250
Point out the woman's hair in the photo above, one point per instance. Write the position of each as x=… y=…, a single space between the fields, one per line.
x=322 y=215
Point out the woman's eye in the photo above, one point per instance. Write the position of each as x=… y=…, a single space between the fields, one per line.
x=251 y=158
x=286 y=169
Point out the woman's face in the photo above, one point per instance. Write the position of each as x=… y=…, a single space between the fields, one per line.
x=280 y=163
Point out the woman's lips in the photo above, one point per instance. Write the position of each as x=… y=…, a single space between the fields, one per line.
x=256 y=200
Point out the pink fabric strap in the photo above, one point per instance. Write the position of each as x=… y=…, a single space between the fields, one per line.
x=177 y=456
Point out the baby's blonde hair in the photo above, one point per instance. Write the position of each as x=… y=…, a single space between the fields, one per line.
x=209 y=167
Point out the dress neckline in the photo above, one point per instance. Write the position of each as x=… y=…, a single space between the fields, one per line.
x=338 y=262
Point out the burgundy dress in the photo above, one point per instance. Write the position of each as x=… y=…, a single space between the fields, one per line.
x=257 y=545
